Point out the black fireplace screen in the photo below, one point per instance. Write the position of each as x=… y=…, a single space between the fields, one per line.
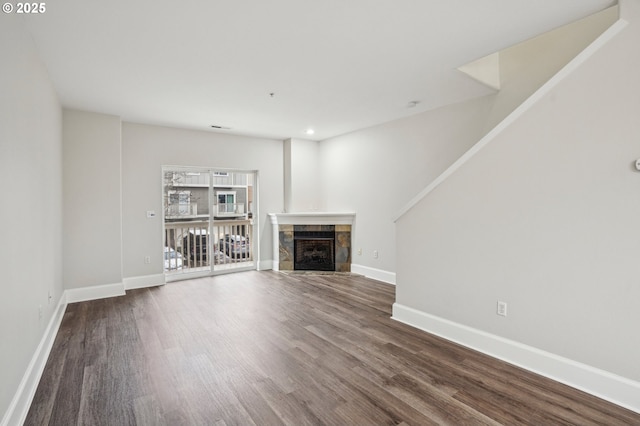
x=314 y=252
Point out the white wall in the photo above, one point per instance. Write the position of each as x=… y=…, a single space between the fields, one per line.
x=145 y=149
x=92 y=243
x=301 y=176
x=31 y=210
x=545 y=217
x=376 y=171
x=528 y=65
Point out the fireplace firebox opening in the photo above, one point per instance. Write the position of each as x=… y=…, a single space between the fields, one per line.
x=314 y=251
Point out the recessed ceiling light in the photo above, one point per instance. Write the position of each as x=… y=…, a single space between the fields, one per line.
x=310 y=131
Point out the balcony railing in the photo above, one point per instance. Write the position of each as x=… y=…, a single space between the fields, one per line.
x=229 y=209
x=194 y=245
x=176 y=211
x=183 y=211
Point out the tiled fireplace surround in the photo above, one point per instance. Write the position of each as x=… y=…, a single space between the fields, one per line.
x=286 y=224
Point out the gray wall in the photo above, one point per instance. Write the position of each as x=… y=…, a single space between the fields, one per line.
x=527 y=66
x=545 y=218
x=31 y=209
x=92 y=243
x=302 y=176
x=145 y=149
x=375 y=172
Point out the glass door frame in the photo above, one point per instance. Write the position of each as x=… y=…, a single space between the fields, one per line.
x=254 y=218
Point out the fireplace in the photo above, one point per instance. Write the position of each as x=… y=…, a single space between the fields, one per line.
x=314 y=251
x=312 y=241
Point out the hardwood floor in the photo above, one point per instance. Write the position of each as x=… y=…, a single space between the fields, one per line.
x=267 y=348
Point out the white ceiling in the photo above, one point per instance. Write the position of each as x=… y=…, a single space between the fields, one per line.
x=333 y=65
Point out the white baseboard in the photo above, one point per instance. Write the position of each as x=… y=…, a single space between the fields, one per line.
x=376 y=274
x=610 y=387
x=92 y=293
x=19 y=407
x=144 y=281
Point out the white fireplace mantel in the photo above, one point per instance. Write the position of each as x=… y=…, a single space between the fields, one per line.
x=312 y=218
x=305 y=218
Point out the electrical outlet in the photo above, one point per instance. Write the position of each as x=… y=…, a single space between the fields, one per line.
x=502 y=308
x=375 y=254
x=359 y=252
x=147 y=259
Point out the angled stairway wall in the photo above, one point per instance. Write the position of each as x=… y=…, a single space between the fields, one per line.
x=543 y=214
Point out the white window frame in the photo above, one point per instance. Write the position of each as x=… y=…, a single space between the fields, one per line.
x=184 y=207
x=233 y=203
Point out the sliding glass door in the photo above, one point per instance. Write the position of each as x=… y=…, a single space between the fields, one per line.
x=208 y=221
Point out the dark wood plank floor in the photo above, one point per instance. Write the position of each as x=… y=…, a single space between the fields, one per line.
x=267 y=348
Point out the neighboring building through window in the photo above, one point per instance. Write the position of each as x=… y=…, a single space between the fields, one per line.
x=228 y=203
x=179 y=203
